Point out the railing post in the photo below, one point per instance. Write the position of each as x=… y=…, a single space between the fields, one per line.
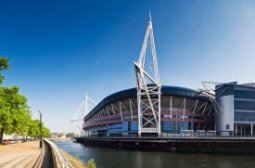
x=40 y=129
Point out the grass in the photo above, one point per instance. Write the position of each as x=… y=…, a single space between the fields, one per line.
x=74 y=161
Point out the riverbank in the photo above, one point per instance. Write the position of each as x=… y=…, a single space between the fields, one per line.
x=212 y=145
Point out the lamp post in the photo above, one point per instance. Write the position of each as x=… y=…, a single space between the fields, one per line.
x=40 y=129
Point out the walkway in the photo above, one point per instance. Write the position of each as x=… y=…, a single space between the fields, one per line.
x=19 y=155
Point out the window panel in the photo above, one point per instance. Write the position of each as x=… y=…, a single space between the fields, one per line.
x=244 y=105
x=244 y=94
x=244 y=116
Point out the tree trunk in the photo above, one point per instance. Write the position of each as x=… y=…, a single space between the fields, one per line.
x=1 y=135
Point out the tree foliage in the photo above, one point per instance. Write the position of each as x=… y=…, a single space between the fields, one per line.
x=70 y=135
x=91 y=163
x=4 y=65
x=15 y=115
x=34 y=129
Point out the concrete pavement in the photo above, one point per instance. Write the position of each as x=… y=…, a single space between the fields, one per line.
x=19 y=155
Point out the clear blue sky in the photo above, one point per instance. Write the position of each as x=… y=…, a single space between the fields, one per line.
x=58 y=50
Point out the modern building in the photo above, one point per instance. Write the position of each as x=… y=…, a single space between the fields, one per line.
x=237 y=114
x=182 y=111
x=151 y=109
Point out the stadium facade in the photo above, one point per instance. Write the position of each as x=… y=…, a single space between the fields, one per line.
x=151 y=109
x=182 y=110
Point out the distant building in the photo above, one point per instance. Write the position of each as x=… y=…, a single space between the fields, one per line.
x=237 y=114
x=12 y=136
x=58 y=136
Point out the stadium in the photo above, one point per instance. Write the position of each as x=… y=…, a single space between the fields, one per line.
x=152 y=109
x=182 y=111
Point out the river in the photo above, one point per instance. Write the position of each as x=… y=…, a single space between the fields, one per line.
x=114 y=158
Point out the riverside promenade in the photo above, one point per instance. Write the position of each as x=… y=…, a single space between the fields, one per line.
x=25 y=155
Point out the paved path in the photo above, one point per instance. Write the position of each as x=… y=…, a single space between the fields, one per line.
x=23 y=155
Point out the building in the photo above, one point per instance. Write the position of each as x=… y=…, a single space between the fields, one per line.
x=237 y=114
x=182 y=111
x=151 y=109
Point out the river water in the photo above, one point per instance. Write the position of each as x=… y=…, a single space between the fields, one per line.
x=114 y=158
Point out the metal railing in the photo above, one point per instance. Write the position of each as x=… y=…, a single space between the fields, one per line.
x=173 y=134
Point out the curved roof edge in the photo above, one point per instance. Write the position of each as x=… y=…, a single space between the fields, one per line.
x=132 y=92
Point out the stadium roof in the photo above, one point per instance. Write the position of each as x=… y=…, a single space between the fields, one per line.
x=131 y=93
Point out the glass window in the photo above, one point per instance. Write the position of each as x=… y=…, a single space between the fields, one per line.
x=166 y=125
x=244 y=116
x=184 y=126
x=244 y=105
x=244 y=94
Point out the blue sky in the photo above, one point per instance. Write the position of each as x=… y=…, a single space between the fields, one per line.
x=58 y=50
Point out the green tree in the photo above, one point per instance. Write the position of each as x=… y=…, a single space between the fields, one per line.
x=15 y=115
x=70 y=135
x=6 y=119
x=19 y=110
x=34 y=128
x=14 y=112
x=5 y=116
x=4 y=65
x=45 y=132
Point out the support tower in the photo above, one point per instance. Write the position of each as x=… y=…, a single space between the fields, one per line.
x=148 y=86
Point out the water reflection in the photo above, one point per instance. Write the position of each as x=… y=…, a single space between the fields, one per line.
x=113 y=158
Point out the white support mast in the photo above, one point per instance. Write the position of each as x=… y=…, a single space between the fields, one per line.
x=83 y=106
x=148 y=86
